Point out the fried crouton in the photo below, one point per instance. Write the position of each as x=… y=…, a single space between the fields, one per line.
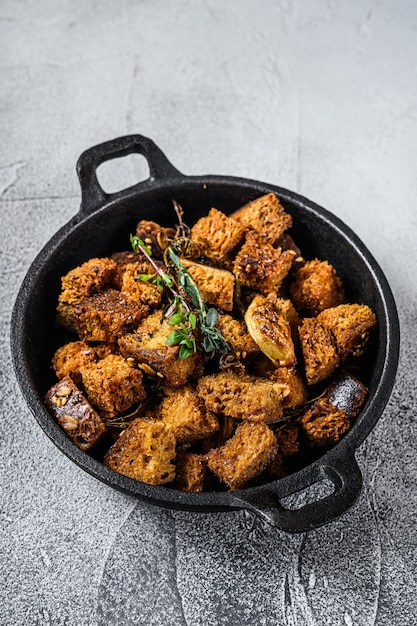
x=190 y=472
x=108 y=315
x=323 y=423
x=216 y=286
x=75 y=414
x=266 y=215
x=218 y=238
x=148 y=345
x=316 y=287
x=319 y=350
x=138 y=290
x=270 y=330
x=290 y=377
x=351 y=325
x=244 y=397
x=244 y=456
x=288 y=445
x=81 y=282
x=144 y=451
x=185 y=413
x=68 y=359
x=238 y=338
x=260 y=266
x=112 y=385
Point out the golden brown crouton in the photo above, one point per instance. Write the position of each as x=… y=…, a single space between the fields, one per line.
x=215 y=285
x=127 y=257
x=316 y=287
x=260 y=266
x=237 y=336
x=156 y=237
x=139 y=290
x=191 y=470
x=112 y=385
x=108 y=315
x=319 y=350
x=270 y=330
x=242 y=396
x=266 y=215
x=185 y=413
x=297 y=390
x=81 y=282
x=323 y=423
x=68 y=359
x=148 y=345
x=245 y=455
x=217 y=237
x=74 y=414
x=144 y=451
x=351 y=325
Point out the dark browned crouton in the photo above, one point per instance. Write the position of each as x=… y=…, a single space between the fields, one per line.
x=266 y=215
x=144 y=451
x=156 y=237
x=270 y=330
x=139 y=290
x=260 y=266
x=319 y=350
x=148 y=345
x=112 y=385
x=108 y=315
x=81 y=282
x=68 y=359
x=288 y=444
x=245 y=455
x=316 y=287
x=215 y=285
x=185 y=413
x=217 y=237
x=74 y=414
x=237 y=336
x=348 y=393
x=191 y=470
x=323 y=423
x=242 y=396
x=351 y=325
x=290 y=377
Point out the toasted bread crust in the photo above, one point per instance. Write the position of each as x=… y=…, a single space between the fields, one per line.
x=144 y=451
x=216 y=286
x=245 y=455
x=185 y=413
x=217 y=237
x=266 y=216
x=316 y=287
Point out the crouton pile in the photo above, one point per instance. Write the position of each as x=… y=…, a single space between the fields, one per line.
x=281 y=395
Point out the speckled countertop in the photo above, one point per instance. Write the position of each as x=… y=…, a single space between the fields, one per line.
x=318 y=97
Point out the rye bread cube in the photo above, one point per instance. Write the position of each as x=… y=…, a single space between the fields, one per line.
x=217 y=237
x=244 y=397
x=80 y=283
x=191 y=469
x=185 y=413
x=113 y=385
x=245 y=455
x=108 y=315
x=260 y=266
x=316 y=287
x=216 y=286
x=144 y=451
x=266 y=216
x=75 y=414
x=69 y=358
x=323 y=423
x=148 y=345
x=319 y=349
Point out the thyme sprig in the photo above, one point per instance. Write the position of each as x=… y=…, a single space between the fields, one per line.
x=186 y=308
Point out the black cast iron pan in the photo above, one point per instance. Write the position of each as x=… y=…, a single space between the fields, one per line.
x=102 y=226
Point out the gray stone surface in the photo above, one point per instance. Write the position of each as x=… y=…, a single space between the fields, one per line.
x=319 y=97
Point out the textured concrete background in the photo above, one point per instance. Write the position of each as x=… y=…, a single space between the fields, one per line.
x=319 y=97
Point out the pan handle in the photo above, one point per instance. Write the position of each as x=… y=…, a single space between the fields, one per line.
x=92 y=194
x=347 y=481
